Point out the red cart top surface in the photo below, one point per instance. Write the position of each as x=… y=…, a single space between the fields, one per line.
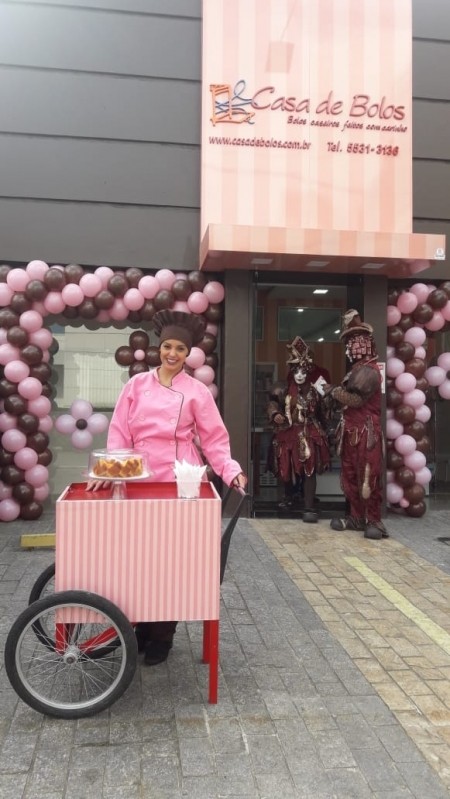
x=77 y=491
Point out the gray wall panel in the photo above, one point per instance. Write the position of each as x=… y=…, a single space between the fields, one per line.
x=431 y=117
x=431 y=70
x=100 y=106
x=70 y=38
x=431 y=20
x=170 y=8
x=72 y=169
x=431 y=185
x=99 y=234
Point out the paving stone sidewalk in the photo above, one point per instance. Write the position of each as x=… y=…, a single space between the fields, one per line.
x=296 y=716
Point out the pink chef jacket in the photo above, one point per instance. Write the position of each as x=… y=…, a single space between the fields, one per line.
x=163 y=422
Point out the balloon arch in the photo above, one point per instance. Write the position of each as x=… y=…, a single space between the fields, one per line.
x=66 y=293
x=413 y=316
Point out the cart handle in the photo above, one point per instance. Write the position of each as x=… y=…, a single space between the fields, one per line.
x=228 y=532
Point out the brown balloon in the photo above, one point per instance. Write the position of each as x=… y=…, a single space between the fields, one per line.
x=417 y=510
x=11 y=475
x=55 y=279
x=394 y=335
x=31 y=354
x=212 y=360
x=445 y=286
x=41 y=372
x=73 y=273
x=422 y=384
x=124 y=356
x=20 y=303
x=406 y=322
x=404 y=414
x=137 y=368
x=23 y=493
x=88 y=309
x=197 y=280
x=36 y=291
x=152 y=356
x=405 y=477
x=148 y=311
x=164 y=300
x=104 y=300
x=28 y=423
x=215 y=313
x=17 y=336
x=416 y=429
x=134 y=275
x=394 y=398
x=423 y=313
x=139 y=340
x=416 y=367
x=393 y=296
x=4 y=269
x=45 y=458
x=15 y=405
x=38 y=441
x=118 y=285
x=423 y=444
x=7 y=388
x=437 y=299
x=48 y=390
x=8 y=318
x=6 y=458
x=31 y=511
x=181 y=289
x=208 y=343
x=70 y=313
x=414 y=494
x=135 y=317
x=394 y=460
x=404 y=351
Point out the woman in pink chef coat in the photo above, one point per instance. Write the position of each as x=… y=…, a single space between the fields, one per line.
x=160 y=413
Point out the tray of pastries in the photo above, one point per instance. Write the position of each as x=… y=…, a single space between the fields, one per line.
x=124 y=464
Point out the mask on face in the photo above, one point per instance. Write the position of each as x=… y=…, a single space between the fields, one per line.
x=299 y=376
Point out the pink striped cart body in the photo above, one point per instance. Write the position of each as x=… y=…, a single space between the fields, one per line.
x=155 y=556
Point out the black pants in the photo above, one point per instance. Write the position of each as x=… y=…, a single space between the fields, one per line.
x=157 y=630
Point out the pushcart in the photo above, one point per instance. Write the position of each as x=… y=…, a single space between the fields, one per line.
x=148 y=556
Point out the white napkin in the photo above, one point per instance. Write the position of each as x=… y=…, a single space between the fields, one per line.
x=188 y=472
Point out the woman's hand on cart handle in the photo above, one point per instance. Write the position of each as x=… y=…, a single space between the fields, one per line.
x=240 y=481
x=97 y=485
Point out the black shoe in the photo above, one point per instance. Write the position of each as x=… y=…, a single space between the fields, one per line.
x=373 y=531
x=156 y=652
x=349 y=523
x=310 y=517
x=140 y=638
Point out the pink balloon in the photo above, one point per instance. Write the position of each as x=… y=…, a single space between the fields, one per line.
x=420 y=352
x=97 y=423
x=91 y=285
x=30 y=321
x=65 y=424
x=13 y=440
x=414 y=398
x=149 y=286
x=393 y=428
x=37 y=269
x=423 y=476
x=421 y=291
x=394 y=493
x=205 y=374
x=416 y=461
x=118 y=311
x=133 y=299
x=197 y=302
x=40 y=406
x=40 y=308
x=393 y=315
x=9 y=510
x=404 y=503
x=45 y=424
x=166 y=278
x=213 y=389
x=7 y=421
x=81 y=439
x=5 y=295
x=103 y=316
x=72 y=295
x=389 y=413
x=405 y=445
x=180 y=305
x=30 y=388
x=213 y=329
x=435 y=375
x=216 y=292
x=394 y=367
x=180 y=276
x=445 y=311
x=3 y=332
x=8 y=353
x=37 y=475
x=407 y=302
x=390 y=475
x=444 y=390
x=5 y=491
x=54 y=303
x=415 y=336
x=15 y=371
x=436 y=322
x=81 y=409
x=444 y=361
x=104 y=273
x=26 y=458
x=196 y=358
x=17 y=279
x=139 y=355
x=41 y=492
x=405 y=382
x=42 y=338
x=423 y=414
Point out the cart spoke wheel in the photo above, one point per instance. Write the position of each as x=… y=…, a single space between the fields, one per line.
x=52 y=654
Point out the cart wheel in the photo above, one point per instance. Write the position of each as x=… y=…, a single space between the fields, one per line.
x=59 y=672
x=44 y=585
